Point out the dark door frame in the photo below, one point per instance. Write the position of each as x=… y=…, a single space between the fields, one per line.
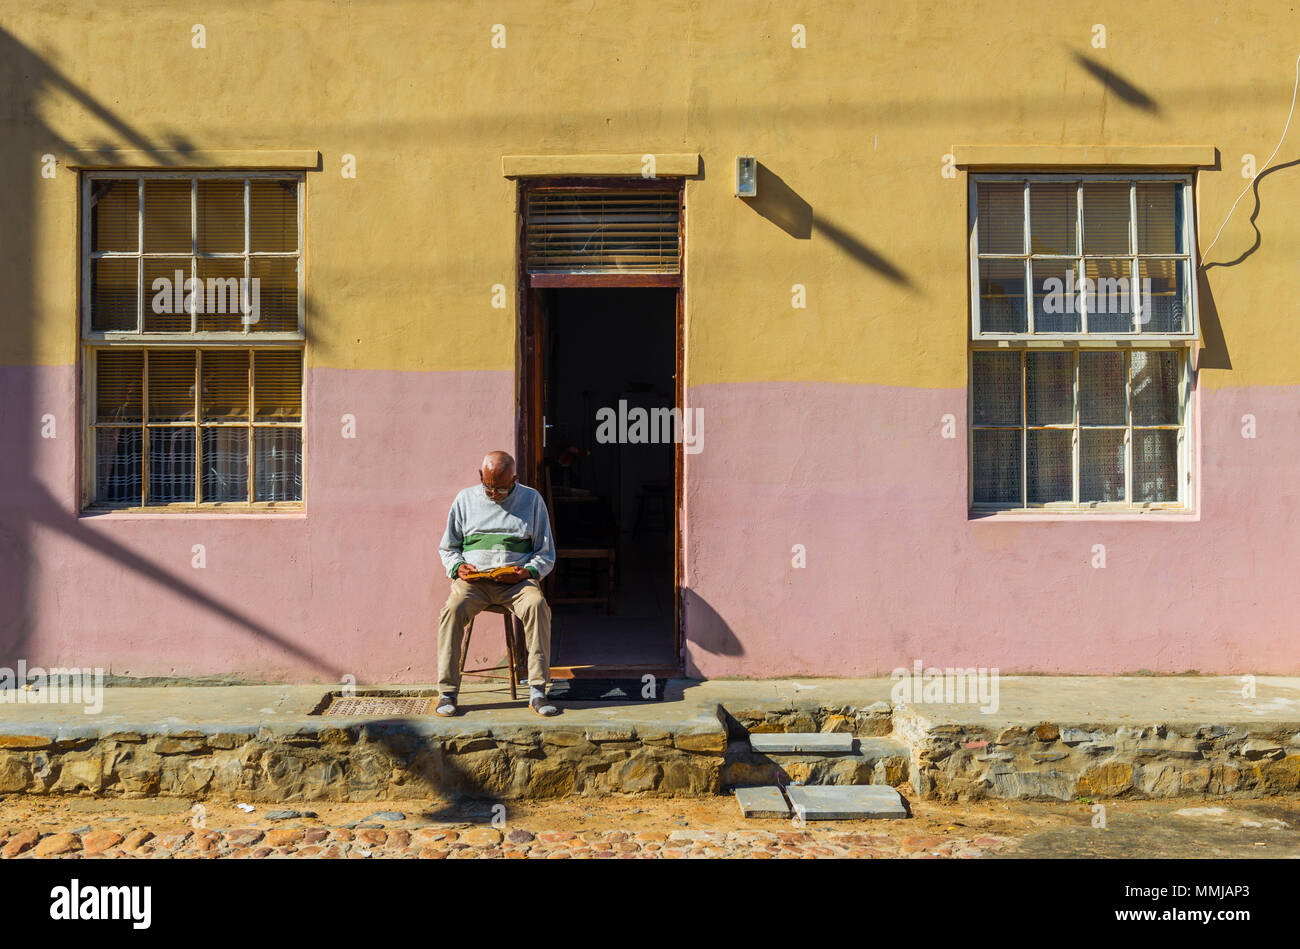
x=528 y=373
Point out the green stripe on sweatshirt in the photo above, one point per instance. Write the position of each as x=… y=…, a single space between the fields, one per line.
x=510 y=542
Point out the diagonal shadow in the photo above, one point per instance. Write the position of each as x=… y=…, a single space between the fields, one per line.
x=863 y=253
x=26 y=503
x=784 y=207
x=48 y=513
x=1116 y=83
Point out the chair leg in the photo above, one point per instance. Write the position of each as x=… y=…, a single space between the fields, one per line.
x=510 y=654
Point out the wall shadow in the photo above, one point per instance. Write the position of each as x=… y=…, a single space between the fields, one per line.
x=1114 y=82
x=783 y=206
x=1215 y=354
x=1254 y=214
x=28 y=504
x=706 y=627
x=1214 y=350
x=780 y=204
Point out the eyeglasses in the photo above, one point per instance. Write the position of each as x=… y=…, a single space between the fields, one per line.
x=498 y=492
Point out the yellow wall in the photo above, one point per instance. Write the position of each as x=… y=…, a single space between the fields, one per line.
x=401 y=260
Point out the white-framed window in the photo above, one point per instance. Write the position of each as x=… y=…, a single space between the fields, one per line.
x=1083 y=327
x=192 y=339
x=1103 y=256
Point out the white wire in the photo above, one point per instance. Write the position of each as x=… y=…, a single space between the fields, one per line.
x=1206 y=253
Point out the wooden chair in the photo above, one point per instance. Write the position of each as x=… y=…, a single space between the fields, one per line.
x=595 y=553
x=513 y=628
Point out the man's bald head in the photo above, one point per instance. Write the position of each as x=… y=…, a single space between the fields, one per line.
x=498 y=463
x=497 y=475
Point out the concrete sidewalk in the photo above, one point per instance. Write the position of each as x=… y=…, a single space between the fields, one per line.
x=1075 y=700
x=1049 y=737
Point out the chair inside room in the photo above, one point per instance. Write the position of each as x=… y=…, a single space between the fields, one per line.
x=586 y=546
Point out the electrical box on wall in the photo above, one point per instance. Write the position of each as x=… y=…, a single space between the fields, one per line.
x=746 y=176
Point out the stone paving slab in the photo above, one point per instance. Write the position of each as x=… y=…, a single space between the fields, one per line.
x=762 y=802
x=846 y=802
x=778 y=743
x=872 y=761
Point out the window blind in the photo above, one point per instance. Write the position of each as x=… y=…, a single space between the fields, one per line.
x=602 y=232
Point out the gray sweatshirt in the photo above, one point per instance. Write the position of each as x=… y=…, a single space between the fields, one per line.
x=483 y=533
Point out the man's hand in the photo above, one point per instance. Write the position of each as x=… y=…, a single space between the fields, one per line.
x=464 y=569
x=518 y=576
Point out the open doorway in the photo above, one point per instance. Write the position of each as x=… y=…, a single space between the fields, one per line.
x=603 y=354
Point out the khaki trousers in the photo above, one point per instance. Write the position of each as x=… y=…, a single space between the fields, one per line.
x=468 y=599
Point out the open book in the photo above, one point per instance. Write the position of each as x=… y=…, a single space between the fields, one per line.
x=489 y=574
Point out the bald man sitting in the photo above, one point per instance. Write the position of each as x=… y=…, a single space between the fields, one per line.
x=497 y=523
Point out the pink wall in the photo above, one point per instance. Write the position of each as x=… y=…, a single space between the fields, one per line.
x=857 y=474
x=354 y=586
x=896 y=571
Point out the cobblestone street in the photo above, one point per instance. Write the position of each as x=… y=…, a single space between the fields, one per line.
x=633 y=829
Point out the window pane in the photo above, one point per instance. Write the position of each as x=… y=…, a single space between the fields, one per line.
x=119 y=378
x=114 y=215
x=165 y=309
x=1164 y=296
x=272 y=215
x=118 y=453
x=225 y=464
x=1049 y=388
x=1108 y=296
x=167 y=216
x=1155 y=465
x=1002 y=296
x=278 y=464
x=171 y=465
x=223 y=283
x=1105 y=217
x=1160 y=217
x=273 y=294
x=1001 y=217
x=1101 y=388
x=1050 y=463
x=1155 y=388
x=171 y=386
x=997 y=466
x=277 y=386
x=1101 y=464
x=224 y=396
x=996 y=380
x=1053 y=217
x=221 y=217
x=1056 y=296
x=113 y=294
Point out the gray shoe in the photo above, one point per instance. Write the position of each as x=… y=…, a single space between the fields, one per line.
x=446 y=706
x=543 y=706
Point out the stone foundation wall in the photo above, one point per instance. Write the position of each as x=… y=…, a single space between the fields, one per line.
x=396 y=761
x=365 y=762
x=1048 y=761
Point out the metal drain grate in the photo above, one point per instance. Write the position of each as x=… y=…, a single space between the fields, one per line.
x=379 y=706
